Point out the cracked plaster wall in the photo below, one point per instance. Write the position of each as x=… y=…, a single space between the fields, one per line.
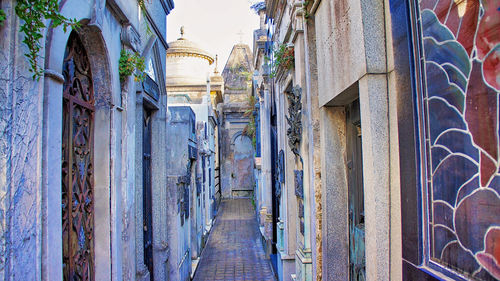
x=27 y=145
x=20 y=138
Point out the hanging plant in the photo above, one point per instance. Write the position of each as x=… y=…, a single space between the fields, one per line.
x=284 y=57
x=34 y=13
x=142 y=6
x=128 y=64
x=2 y=17
x=251 y=128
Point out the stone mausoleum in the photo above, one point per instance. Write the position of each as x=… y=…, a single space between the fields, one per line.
x=237 y=148
x=193 y=150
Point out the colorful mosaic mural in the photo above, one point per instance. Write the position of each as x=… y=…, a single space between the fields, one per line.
x=461 y=44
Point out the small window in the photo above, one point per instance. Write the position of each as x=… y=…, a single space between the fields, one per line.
x=150 y=70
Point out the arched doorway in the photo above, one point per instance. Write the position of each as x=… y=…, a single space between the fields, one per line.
x=243 y=164
x=77 y=163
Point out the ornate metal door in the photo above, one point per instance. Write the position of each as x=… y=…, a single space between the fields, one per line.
x=147 y=204
x=77 y=164
x=355 y=194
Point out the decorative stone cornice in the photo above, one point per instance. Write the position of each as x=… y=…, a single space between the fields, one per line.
x=56 y=76
x=130 y=37
x=187 y=54
x=298 y=12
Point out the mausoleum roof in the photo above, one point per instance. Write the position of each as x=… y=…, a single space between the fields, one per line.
x=186 y=48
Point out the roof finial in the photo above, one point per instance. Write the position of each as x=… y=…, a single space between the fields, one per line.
x=182 y=31
x=241 y=36
x=216 y=64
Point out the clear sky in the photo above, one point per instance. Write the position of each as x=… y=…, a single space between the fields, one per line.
x=214 y=24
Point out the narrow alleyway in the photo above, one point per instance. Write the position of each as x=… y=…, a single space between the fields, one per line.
x=234 y=251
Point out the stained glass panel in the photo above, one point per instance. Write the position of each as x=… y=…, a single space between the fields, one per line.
x=461 y=46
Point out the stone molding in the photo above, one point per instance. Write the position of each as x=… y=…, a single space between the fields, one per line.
x=130 y=37
x=116 y=9
x=56 y=76
x=186 y=54
x=298 y=14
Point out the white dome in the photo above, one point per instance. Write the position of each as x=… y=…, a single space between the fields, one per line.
x=187 y=63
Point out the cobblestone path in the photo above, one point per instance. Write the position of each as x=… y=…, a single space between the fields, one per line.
x=234 y=250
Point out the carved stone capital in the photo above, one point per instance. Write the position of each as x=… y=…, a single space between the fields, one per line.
x=130 y=37
x=298 y=24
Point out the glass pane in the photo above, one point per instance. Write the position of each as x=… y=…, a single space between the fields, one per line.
x=150 y=70
x=461 y=42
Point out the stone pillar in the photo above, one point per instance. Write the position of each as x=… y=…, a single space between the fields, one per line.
x=267 y=181
x=375 y=132
x=128 y=179
x=313 y=134
x=334 y=189
x=303 y=254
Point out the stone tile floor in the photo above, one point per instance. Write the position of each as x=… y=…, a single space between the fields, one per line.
x=234 y=250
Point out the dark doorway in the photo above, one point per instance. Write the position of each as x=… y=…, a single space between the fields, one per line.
x=275 y=185
x=355 y=193
x=147 y=204
x=77 y=163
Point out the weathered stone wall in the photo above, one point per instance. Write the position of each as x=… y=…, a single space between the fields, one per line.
x=243 y=163
x=180 y=137
x=20 y=144
x=351 y=43
x=31 y=139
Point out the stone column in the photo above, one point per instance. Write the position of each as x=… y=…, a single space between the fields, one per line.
x=334 y=190
x=304 y=257
x=267 y=182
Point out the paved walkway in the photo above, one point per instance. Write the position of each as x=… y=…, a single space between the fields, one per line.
x=234 y=250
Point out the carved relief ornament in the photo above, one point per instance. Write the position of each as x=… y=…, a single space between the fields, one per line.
x=130 y=37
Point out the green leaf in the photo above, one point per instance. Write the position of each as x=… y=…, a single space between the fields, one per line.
x=33 y=14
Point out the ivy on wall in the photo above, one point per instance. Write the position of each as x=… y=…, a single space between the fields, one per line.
x=284 y=57
x=142 y=5
x=34 y=13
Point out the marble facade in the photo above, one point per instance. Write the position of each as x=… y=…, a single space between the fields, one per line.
x=31 y=142
x=370 y=74
x=194 y=91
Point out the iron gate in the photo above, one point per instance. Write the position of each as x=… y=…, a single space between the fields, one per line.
x=147 y=204
x=77 y=163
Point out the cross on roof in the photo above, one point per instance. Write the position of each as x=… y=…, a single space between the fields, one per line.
x=241 y=35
